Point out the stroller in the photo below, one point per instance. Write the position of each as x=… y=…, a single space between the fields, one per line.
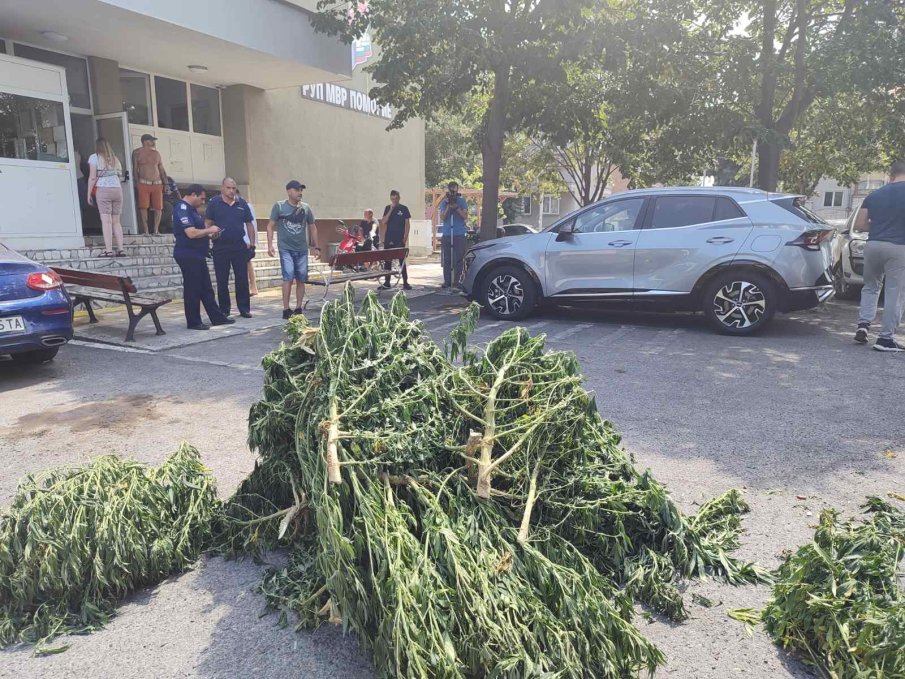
x=352 y=242
x=351 y=239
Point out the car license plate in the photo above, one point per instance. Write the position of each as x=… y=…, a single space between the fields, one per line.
x=11 y=324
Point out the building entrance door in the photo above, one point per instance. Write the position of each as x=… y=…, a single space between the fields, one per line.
x=114 y=127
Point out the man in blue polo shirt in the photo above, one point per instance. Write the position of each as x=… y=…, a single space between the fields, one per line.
x=192 y=243
x=453 y=211
x=233 y=216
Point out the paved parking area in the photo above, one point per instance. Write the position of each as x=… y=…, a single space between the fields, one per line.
x=798 y=417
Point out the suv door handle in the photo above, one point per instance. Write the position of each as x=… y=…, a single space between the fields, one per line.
x=720 y=240
x=619 y=243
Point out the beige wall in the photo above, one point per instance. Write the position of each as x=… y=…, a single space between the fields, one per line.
x=347 y=160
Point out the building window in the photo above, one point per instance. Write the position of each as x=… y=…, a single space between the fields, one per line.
x=518 y=207
x=205 y=110
x=551 y=205
x=136 y=89
x=832 y=199
x=32 y=129
x=870 y=184
x=2 y=47
x=172 y=104
x=76 y=72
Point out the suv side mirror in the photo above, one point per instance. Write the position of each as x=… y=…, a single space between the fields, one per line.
x=564 y=235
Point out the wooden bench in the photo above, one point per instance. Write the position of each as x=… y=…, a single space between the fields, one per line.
x=88 y=286
x=368 y=258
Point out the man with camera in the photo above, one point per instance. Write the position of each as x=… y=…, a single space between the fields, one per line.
x=453 y=211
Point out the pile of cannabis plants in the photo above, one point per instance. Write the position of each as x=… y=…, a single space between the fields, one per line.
x=465 y=512
x=76 y=540
x=839 y=601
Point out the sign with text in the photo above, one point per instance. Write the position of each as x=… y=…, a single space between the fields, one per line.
x=362 y=50
x=353 y=100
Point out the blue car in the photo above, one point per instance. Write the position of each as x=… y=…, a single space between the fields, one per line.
x=35 y=309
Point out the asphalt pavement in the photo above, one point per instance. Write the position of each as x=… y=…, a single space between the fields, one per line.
x=800 y=418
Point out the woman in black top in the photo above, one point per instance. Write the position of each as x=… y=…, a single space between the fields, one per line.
x=367 y=231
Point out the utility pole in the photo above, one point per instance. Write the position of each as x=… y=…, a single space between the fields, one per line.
x=540 y=212
x=753 y=161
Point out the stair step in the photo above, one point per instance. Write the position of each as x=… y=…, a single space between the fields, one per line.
x=133 y=239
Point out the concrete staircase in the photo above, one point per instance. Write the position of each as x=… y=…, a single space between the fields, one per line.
x=150 y=264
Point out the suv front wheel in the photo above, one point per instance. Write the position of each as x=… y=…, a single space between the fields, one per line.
x=508 y=293
x=739 y=302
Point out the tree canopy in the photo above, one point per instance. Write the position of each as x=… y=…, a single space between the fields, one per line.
x=662 y=89
x=434 y=53
x=783 y=66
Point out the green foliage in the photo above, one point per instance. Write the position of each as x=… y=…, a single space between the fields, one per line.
x=76 y=540
x=844 y=138
x=465 y=518
x=839 y=600
x=452 y=148
x=792 y=62
x=434 y=54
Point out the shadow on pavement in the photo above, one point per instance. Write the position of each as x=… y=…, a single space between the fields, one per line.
x=244 y=644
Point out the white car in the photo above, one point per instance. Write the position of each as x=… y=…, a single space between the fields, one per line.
x=848 y=260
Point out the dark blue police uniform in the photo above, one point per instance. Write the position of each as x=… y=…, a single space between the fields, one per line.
x=230 y=250
x=191 y=256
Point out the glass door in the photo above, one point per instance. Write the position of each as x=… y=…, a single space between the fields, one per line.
x=114 y=127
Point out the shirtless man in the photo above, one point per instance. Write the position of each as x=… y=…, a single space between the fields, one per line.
x=147 y=168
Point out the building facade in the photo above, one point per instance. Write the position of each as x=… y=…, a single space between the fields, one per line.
x=831 y=200
x=247 y=89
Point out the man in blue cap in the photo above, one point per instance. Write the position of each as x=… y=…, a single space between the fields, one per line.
x=296 y=231
x=190 y=253
x=232 y=215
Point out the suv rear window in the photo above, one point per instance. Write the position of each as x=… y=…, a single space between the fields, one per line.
x=796 y=206
x=726 y=209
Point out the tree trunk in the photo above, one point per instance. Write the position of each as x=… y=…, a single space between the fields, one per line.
x=492 y=153
x=768 y=164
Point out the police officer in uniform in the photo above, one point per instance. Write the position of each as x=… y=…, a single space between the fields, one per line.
x=192 y=243
x=233 y=216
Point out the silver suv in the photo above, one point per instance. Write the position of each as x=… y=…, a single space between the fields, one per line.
x=738 y=255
